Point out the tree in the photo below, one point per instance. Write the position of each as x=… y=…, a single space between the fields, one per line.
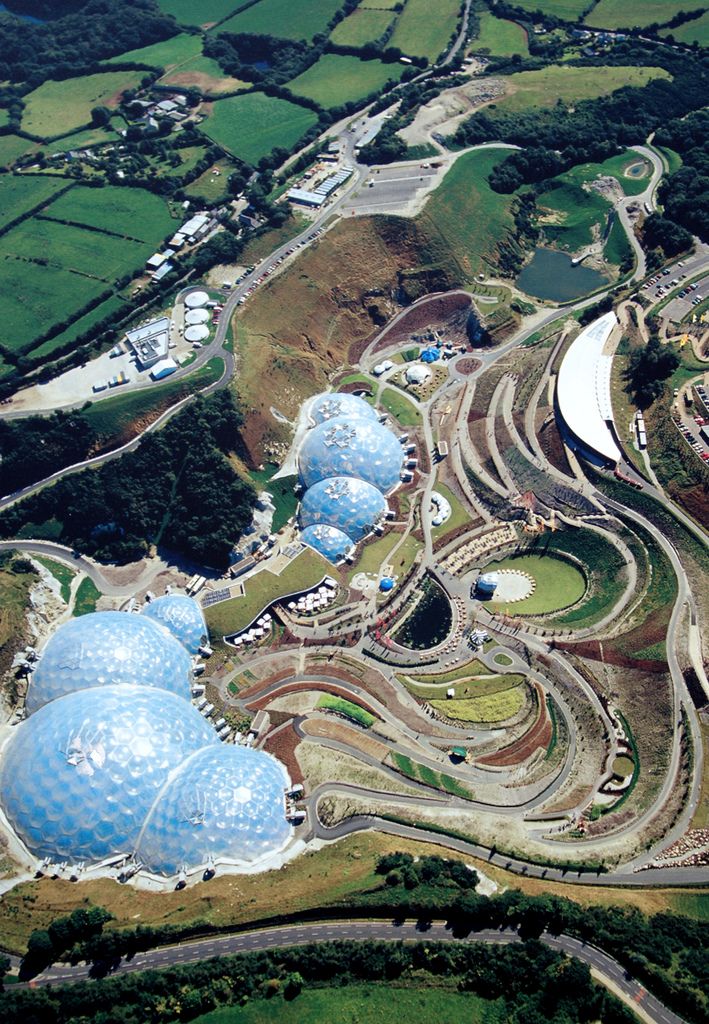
x=648 y=369
x=100 y=116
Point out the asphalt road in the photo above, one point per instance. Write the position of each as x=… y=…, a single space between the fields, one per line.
x=607 y=970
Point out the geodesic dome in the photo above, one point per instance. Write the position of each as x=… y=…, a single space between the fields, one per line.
x=330 y=407
x=79 y=777
x=354 y=447
x=182 y=616
x=328 y=541
x=227 y=803
x=107 y=648
x=351 y=505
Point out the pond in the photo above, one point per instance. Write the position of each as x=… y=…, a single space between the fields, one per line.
x=430 y=622
x=551 y=275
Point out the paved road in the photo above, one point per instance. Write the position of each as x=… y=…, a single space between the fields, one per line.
x=606 y=969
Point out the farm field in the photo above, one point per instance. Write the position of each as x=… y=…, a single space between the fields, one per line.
x=132 y=212
x=57 y=107
x=98 y=256
x=424 y=27
x=378 y=5
x=570 y=213
x=569 y=10
x=168 y=53
x=250 y=126
x=210 y=186
x=18 y=195
x=34 y=297
x=401 y=408
x=185 y=11
x=471 y=217
x=612 y=14
x=335 y=79
x=283 y=18
x=500 y=38
x=205 y=73
x=12 y=147
x=362 y=26
x=493 y=707
x=89 y=137
x=559 y=583
x=691 y=30
x=545 y=87
x=77 y=328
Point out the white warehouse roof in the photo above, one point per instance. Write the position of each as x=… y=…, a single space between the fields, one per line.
x=583 y=388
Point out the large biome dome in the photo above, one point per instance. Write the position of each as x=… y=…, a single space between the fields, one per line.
x=226 y=804
x=105 y=649
x=328 y=541
x=352 y=447
x=350 y=505
x=330 y=407
x=79 y=777
x=182 y=616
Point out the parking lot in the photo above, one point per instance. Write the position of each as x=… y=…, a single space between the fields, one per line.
x=691 y=418
x=394 y=189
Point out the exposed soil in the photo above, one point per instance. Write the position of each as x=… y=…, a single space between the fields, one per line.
x=203 y=81
x=538 y=736
x=332 y=729
x=431 y=314
x=283 y=745
x=467 y=366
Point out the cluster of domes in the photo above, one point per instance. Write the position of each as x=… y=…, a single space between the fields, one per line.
x=348 y=462
x=115 y=759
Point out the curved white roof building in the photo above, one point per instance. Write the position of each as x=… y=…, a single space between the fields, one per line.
x=583 y=389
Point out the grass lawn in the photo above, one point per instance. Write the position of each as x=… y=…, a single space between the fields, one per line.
x=171 y=51
x=133 y=212
x=569 y=213
x=471 y=217
x=34 y=297
x=612 y=14
x=544 y=87
x=90 y=137
x=365 y=1004
x=87 y=594
x=671 y=158
x=374 y=555
x=334 y=79
x=348 y=708
x=401 y=408
x=617 y=245
x=493 y=707
x=425 y=27
x=691 y=30
x=378 y=5
x=404 y=557
x=12 y=147
x=250 y=126
x=57 y=107
x=616 y=166
x=568 y=10
x=458 y=516
x=210 y=186
x=559 y=583
x=362 y=26
x=206 y=12
x=499 y=37
x=470 y=668
x=64 y=574
x=302 y=572
x=502 y=659
x=18 y=195
x=78 y=327
x=283 y=18
x=284 y=499
x=102 y=258
x=465 y=688
x=429 y=777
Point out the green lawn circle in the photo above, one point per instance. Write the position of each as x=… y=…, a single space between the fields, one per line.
x=559 y=583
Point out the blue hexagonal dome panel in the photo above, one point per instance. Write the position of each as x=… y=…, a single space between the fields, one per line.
x=226 y=803
x=330 y=407
x=182 y=616
x=79 y=776
x=107 y=648
x=328 y=541
x=353 y=506
x=351 y=447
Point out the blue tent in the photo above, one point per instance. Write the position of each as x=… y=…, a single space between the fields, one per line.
x=429 y=355
x=386 y=583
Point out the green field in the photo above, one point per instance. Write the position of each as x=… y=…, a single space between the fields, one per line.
x=458 y=516
x=470 y=216
x=284 y=18
x=374 y=554
x=568 y=10
x=425 y=27
x=64 y=574
x=612 y=14
x=559 y=583
x=87 y=594
x=91 y=253
x=401 y=408
x=569 y=213
x=132 y=212
x=250 y=126
x=34 y=298
x=57 y=107
x=692 y=30
x=348 y=708
x=500 y=38
x=334 y=79
x=615 y=166
x=19 y=195
x=89 y=137
x=362 y=27
x=12 y=147
x=301 y=573
x=464 y=689
x=170 y=52
x=362 y=1004
x=205 y=12
x=617 y=245
x=494 y=707
x=378 y=5
x=543 y=88
x=78 y=327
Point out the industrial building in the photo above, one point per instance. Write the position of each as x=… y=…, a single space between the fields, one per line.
x=317 y=196
x=150 y=342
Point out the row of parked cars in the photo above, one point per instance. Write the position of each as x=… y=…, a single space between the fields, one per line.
x=691 y=439
x=269 y=270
